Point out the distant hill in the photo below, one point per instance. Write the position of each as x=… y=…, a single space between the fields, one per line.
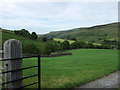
x=97 y=33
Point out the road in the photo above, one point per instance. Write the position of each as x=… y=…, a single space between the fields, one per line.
x=110 y=81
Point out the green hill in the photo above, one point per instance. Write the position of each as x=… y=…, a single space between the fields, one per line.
x=95 y=34
x=6 y=34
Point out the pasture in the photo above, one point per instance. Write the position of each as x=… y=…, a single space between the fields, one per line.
x=84 y=65
x=62 y=40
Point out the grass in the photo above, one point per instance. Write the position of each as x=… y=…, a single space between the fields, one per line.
x=24 y=41
x=62 y=40
x=69 y=71
x=97 y=44
x=97 y=33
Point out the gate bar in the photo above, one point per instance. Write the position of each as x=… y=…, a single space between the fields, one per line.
x=39 y=72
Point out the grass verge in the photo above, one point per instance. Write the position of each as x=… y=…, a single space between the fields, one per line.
x=84 y=65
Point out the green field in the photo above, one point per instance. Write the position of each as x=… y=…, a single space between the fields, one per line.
x=84 y=65
x=62 y=40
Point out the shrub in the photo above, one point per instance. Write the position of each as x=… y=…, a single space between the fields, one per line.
x=105 y=46
x=74 y=45
x=90 y=45
x=31 y=49
x=33 y=36
x=65 y=45
x=49 y=48
x=23 y=33
x=43 y=39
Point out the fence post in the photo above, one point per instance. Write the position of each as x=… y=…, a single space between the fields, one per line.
x=12 y=49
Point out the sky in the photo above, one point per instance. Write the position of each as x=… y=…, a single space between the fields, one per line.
x=43 y=16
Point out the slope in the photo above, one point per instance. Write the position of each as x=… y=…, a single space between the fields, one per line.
x=25 y=41
x=95 y=34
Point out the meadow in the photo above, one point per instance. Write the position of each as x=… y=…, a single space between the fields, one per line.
x=84 y=65
x=62 y=40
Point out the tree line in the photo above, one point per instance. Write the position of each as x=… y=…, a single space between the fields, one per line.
x=26 y=33
x=53 y=46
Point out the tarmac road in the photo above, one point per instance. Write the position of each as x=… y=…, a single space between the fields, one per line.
x=110 y=81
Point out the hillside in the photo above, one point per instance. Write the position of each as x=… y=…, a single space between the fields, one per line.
x=6 y=34
x=62 y=40
x=94 y=34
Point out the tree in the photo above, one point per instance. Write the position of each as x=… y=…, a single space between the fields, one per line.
x=105 y=34
x=77 y=45
x=25 y=33
x=50 y=38
x=31 y=49
x=82 y=44
x=74 y=45
x=44 y=39
x=105 y=46
x=22 y=32
x=33 y=36
x=72 y=38
x=65 y=45
x=49 y=48
x=90 y=45
x=118 y=46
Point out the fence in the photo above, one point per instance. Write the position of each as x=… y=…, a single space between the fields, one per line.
x=17 y=80
x=12 y=66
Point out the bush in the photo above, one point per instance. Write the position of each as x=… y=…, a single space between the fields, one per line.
x=74 y=45
x=89 y=45
x=22 y=32
x=33 y=36
x=45 y=39
x=26 y=34
x=105 y=46
x=49 y=48
x=55 y=54
x=65 y=45
x=31 y=49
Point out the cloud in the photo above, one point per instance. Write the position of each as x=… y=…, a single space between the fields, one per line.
x=43 y=17
x=61 y=0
